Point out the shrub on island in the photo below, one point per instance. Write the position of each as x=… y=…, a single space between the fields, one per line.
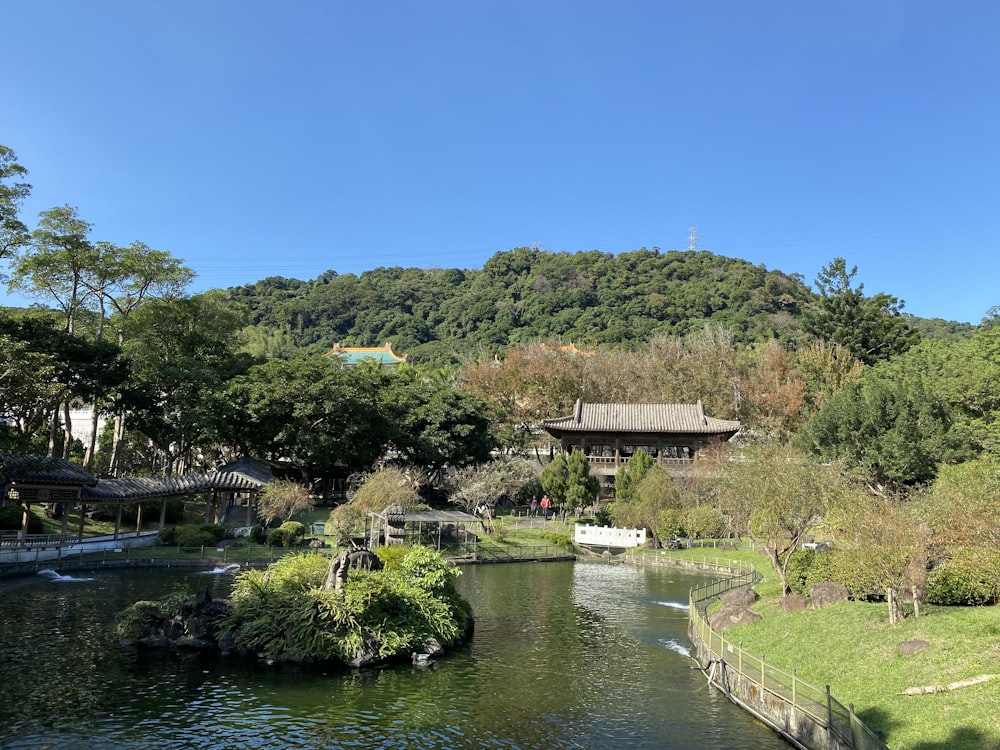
x=285 y=613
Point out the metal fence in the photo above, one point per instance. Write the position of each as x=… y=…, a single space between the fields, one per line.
x=802 y=696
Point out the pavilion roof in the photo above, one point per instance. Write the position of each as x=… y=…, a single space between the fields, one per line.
x=641 y=418
x=42 y=470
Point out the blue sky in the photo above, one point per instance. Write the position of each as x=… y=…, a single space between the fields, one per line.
x=257 y=139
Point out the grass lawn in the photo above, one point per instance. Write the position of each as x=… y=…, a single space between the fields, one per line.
x=852 y=648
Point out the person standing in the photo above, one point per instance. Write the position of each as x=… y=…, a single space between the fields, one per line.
x=533 y=507
x=546 y=505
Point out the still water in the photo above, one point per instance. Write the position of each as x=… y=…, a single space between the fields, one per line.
x=564 y=656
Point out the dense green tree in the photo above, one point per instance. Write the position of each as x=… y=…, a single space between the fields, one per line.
x=28 y=388
x=320 y=416
x=966 y=375
x=72 y=369
x=871 y=328
x=568 y=482
x=555 y=479
x=183 y=356
x=583 y=487
x=890 y=425
x=13 y=192
x=631 y=475
x=433 y=424
x=963 y=514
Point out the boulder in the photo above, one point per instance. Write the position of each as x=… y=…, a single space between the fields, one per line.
x=730 y=617
x=913 y=646
x=366 y=656
x=794 y=603
x=827 y=593
x=741 y=597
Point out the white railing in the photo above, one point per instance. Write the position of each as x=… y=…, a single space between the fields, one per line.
x=608 y=536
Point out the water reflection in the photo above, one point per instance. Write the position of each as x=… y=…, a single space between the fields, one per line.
x=564 y=656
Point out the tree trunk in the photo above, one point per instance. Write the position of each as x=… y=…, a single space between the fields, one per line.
x=896 y=613
x=53 y=431
x=67 y=431
x=114 y=464
x=88 y=455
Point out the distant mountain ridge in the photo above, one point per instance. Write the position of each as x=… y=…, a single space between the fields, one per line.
x=591 y=298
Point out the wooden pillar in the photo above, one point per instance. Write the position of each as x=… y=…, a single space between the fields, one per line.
x=83 y=516
x=163 y=514
x=118 y=519
x=138 y=519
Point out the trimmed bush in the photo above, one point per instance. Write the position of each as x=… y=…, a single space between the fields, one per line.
x=560 y=540
x=288 y=534
x=192 y=535
x=963 y=580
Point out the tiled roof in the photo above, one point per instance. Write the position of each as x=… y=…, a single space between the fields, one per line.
x=252 y=469
x=240 y=476
x=138 y=488
x=644 y=418
x=42 y=470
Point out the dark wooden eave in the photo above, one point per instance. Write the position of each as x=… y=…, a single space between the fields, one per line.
x=645 y=419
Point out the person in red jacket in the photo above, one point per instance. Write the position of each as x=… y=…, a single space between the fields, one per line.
x=546 y=505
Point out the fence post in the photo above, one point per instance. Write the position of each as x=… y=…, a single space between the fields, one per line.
x=829 y=716
x=763 y=683
x=794 y=704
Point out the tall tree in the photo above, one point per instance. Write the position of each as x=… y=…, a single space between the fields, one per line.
x=13 y=192
x=434 y=424
x=629 y=477
x=183 y=355
x=54 y=269
x=568 y=482
x=322 y=417
x=61 y=255
x=776 y=496
x=872 y=328
x=121 y=280
x=70 y=369
x=891 y=425
x=28 y=388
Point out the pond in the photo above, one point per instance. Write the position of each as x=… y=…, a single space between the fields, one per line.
x=564 y=655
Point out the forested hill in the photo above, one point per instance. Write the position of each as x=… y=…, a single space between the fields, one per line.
x=523 y=295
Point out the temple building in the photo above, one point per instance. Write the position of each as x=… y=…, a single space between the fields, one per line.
x=609 y=434
x=355 y=355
